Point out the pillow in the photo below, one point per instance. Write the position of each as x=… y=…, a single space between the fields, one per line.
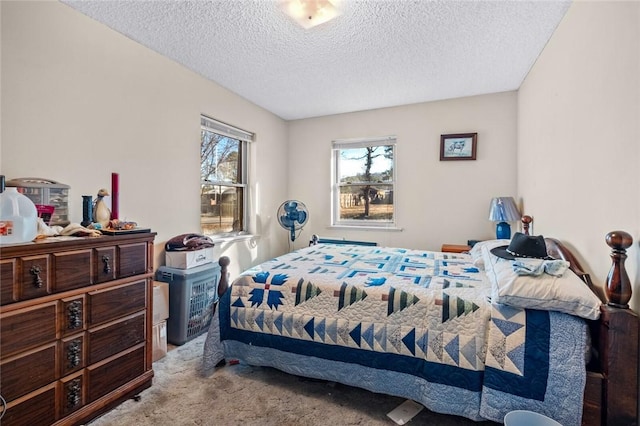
x=567 y=293
x=476 y=251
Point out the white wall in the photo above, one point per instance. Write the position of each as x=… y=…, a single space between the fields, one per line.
x=80 y=101
x=436 y=201
x=579 y=134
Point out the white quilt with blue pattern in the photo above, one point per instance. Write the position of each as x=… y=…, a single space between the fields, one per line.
x=410 y=323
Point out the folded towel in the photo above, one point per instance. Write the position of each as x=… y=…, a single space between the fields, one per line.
x=538 y=267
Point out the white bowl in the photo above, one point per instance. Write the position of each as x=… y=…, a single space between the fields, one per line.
x=528 y=418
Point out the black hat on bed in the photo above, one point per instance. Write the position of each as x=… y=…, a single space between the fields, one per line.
x=523 y=246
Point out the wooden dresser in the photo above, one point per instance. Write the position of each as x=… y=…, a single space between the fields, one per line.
x=75 y=326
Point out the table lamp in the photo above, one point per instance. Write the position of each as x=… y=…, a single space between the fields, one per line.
x=503 y=210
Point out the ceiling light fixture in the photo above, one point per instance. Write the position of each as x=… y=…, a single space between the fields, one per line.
x=309 y=13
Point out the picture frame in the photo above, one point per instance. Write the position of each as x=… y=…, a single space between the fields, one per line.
x=458 y=146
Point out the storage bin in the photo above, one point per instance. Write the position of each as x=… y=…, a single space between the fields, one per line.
x=160 y=301
x=46 y=192
x=192 y=293
x=159 y=340
x=189 y=259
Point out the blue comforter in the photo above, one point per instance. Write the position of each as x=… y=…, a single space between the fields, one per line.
x=409 y=323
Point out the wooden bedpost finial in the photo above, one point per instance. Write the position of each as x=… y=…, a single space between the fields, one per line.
x=526 y=222
x=224 y=261
x=618 y=288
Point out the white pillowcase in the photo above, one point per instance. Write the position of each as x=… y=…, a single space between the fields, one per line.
x=478 y=248
x=568 y=293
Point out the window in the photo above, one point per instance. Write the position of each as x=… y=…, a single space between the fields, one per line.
x=223 y=176
x=363 y=183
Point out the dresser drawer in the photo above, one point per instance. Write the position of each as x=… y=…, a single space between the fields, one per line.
x=105 y=261
x=108 y=376
x=39 y=409
x=113 y=303
x=132 y=259
x=27 y=328
x=7 y=281
x=27 y=372
x=34 y=279
x=116 y=337
x=73 y=269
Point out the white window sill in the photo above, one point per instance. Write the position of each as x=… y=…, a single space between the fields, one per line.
x=223 y=239
x=366 y=228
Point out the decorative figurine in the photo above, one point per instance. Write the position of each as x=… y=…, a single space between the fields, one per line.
x=101 y=213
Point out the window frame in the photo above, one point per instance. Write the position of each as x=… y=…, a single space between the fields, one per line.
x=336 y=147
x=244 y=138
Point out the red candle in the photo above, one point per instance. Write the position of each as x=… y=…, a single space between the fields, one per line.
x=115 y=190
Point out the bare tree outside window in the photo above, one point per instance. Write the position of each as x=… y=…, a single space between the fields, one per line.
x=364 y=186
x=222 y=188
x=218 y=157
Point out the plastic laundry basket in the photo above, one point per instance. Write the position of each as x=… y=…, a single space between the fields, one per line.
x=528 y=418
x=192 y=293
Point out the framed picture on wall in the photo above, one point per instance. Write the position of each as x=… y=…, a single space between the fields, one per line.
x=458 y=146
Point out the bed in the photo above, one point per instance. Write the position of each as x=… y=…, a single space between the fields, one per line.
x=440 y=329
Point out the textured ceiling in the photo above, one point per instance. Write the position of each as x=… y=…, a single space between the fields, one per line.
x=376 y=54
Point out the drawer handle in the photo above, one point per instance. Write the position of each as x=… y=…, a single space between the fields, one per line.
x=37 y=280
x=73 y=393
x=107 y=267
x=73 y=354
x=74 y=314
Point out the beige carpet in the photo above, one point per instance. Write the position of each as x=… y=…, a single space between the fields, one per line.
x=245 y=395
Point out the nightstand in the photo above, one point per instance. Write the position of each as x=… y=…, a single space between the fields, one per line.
x=455 y=248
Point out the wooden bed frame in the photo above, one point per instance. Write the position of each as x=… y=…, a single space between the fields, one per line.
x=611 y=391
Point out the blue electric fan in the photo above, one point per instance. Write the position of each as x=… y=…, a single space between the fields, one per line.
x=293 y=215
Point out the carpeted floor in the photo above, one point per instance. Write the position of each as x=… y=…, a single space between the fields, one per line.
x=245 y=395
